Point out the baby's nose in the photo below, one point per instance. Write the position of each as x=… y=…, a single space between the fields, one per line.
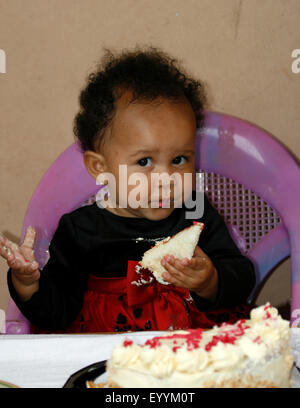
x=161 y=179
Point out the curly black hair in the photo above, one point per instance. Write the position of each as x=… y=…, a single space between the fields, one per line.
x=148 y=73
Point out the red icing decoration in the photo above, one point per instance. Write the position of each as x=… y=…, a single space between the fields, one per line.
x=127 y=343
x=268 y=314
x=153 y=343
x=224 y=338
x=192 y=339
x=228 y=336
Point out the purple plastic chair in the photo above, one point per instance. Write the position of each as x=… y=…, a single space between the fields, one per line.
x=64 y=187
x=248 y=176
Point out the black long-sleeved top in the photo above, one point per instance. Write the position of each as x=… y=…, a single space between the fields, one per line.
x=92 y=240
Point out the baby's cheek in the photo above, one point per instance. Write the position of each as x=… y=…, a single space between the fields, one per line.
x=137 y=195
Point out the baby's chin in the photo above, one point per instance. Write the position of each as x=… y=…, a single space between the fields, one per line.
x=150 y=213
x=154 y=214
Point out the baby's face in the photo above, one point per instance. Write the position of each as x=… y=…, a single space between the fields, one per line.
x=150 y=140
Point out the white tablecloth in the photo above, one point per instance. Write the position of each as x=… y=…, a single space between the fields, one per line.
x=47 y=361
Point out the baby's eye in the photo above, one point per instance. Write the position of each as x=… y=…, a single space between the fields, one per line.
x=145 y=162
x=178 y=160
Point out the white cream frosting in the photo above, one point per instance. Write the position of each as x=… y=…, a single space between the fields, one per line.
x=191 y=361
x=195 y=358
x=263 y=312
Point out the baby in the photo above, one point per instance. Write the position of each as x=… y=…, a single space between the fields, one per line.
x=140 y=111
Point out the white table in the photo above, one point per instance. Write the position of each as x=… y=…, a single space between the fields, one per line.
x=47 y=361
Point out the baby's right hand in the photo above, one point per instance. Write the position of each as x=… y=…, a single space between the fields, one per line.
x=21 y=258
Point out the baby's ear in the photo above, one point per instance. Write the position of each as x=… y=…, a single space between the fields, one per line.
x=94 y=163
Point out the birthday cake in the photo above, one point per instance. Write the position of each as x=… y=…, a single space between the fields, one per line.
x=250 y=353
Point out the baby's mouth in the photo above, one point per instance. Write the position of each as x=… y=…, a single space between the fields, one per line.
x=164 y=204
x=161 y=203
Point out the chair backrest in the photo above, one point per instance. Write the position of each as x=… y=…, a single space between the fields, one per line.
x=62 y=189
x=254 y=181
x=249 y=177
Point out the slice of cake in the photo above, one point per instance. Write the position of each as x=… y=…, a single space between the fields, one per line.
x=182 y=245
x=250 y=353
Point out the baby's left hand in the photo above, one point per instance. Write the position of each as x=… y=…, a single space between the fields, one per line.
x=197 y=274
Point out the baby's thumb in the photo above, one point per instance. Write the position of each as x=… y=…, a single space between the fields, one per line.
x=198 y=252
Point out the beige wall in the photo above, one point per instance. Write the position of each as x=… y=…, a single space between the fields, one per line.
x=242 y=49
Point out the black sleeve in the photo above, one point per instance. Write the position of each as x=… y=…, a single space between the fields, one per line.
x=61 y=285
x=235 y=271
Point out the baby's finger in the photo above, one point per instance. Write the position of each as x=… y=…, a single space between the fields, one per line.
x=29 y=238
x=185 y=267
x=7 y=243
x=185 y=261
x=28 y=243
x=13 y=262
x=173 y=273
x=9 y=248
x=31 y=268
x=16 y=260
x=174 y=280
x=22 y=265
x=178 y=265
x=5 y=247
x=26 y=275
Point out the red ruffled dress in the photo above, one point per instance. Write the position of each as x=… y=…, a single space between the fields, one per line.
x=139 y=302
